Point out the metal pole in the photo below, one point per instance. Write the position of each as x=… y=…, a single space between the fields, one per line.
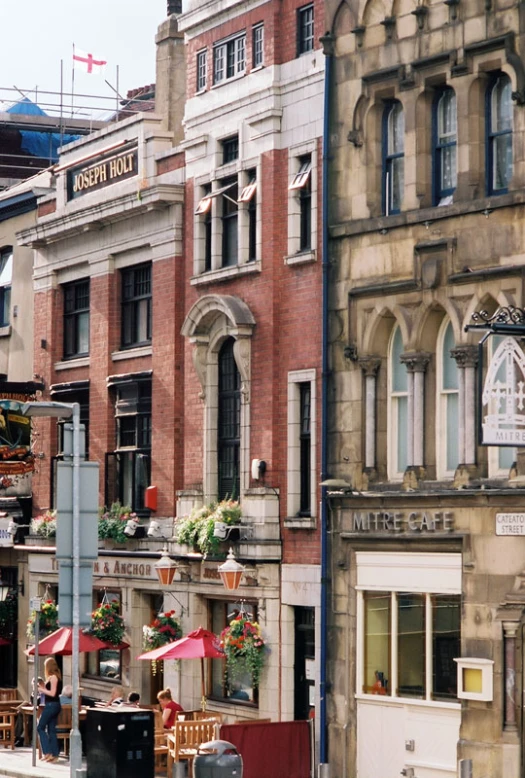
x=35 y=687
x=75 y=760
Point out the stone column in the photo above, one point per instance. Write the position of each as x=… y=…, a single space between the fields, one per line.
x=466 y=358
x=370 y=367
x=512 y=699
x=416 y=364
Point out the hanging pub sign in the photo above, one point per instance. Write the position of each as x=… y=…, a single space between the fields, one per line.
x=503 y=397
x=102 y=172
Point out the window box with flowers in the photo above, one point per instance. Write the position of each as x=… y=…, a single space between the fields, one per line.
x=203 y=529
x=112 y=522
x=244 y=648
x=44 y=525
x=107 y=624
x=48 y=622
x=165 y=628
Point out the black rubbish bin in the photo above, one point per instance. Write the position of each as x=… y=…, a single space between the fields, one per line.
x=120 y=743
x=217 y=759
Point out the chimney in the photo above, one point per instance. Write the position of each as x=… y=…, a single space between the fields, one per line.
x=170 y=90
x=174 y=7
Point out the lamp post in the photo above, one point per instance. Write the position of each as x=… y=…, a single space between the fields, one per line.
x=67 y=411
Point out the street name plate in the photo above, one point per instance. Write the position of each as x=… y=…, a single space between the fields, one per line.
x=510 y=523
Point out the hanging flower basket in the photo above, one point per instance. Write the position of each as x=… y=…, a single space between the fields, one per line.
x=244 y=648
x=107 y=624
x=48 y=620
x=165 y=628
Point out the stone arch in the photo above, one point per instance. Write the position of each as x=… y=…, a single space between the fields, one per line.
x=210 y=321
x=377 y=335
x=344 y=19
x=487 y=302
x=429 y=321
x=375 y=11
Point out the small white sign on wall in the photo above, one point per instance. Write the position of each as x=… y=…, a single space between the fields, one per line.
x=510 y=523
x=6 y=537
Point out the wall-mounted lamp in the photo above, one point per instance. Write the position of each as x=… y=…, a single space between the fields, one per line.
x=231 y=572
x=155 y=530
x=131 y=528
x=165 y=568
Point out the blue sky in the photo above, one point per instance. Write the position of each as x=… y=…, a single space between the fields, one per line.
x=38 y=34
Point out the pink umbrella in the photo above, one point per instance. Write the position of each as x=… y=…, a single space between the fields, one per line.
x=61 y=642
x=199 y=644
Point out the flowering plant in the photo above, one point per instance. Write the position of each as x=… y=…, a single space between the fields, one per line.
x=198 y=529
x=48 y=620
x=165 y=628
x=243 y=646
x=112 y=522
x=107 y=624
x=45 y=524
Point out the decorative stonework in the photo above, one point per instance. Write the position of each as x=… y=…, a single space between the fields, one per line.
x=416 y=362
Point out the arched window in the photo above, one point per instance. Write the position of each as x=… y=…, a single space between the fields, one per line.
x=447 y=429
x=393 y=158
x=229 y=424
x=445 y=146
x=499 y=135
x=398 y=408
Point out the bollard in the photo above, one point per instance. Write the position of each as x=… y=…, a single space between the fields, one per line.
x=179 y=770
x=465 y=768
x=82 y=773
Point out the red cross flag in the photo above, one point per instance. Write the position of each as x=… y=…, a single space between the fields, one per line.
x=88 y=63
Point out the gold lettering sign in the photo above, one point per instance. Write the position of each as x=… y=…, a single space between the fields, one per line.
x=102 y=173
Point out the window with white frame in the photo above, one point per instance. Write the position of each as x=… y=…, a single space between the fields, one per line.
x=229 y=58
x=499 y=135
x=301 y=444
x=409 y=624
x=500 y=458
x=201 y=70
x=305 y=29
x=6 y=275
x=302 y=207
x=393 y=157
x=258 y=45
x=227 y=222
x=397 y=407
x=445 y=146
x=447 y=403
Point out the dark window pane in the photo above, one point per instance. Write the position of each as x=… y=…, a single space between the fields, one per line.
x=446 y=633
x=229 y=427
x=411 y=645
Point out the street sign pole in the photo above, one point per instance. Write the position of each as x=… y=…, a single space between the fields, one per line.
x=75 y=757
x=35 y=605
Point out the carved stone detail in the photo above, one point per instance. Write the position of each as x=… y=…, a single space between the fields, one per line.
x=369 y=365
x=415 y=361
x=465 y=356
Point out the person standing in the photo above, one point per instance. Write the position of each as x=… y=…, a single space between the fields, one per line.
x=169 y=707
x=47 y=723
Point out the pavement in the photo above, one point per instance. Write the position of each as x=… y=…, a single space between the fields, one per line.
x=18 y=764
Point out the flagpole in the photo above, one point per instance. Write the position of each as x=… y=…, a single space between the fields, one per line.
x=117 y=92
x=73 y=81
x=61 y=101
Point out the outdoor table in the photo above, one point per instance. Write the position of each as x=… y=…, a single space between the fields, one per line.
x=27 y=712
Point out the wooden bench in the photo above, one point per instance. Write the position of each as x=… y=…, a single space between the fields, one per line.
x=160 y=746
x=186 y=737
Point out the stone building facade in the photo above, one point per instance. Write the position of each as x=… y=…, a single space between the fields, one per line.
x=426 y=227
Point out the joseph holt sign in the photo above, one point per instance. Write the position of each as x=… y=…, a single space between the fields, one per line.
x=103 y=172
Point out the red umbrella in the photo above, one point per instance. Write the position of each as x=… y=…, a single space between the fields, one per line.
x=199 y=644
x=61 y=642
x=5 y=642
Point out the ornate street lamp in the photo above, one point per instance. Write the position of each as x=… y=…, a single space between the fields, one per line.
x=231 y=572
x=165 y=568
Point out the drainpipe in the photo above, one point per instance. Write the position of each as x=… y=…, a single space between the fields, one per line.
x=327 y=41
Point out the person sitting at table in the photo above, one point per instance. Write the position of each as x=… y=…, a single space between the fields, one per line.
x=116 y=697
x=133 y=700
x=169 y=707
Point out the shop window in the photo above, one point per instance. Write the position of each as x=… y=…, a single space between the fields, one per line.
x=76 y=319
x=6 y=276
x=136 y=306
x=241 y=691
x=106 y=663
x=305 y=29
x=445 y=146
x=416 y=633
x=499 y=135
x=201 y=70
x=448 y=404
x=229 y=58
x=258 y=45
x=398 y=408
x=393 y=158
x=229 y=423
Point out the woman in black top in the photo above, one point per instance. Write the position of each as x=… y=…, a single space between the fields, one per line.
x=47 y=723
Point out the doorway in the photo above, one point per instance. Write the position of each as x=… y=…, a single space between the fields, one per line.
x=304 y=664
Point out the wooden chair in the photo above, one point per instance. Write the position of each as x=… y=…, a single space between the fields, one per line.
x=203 y=715
x=8 y=694
x=160 y=746
x=186 y=737
x=7 y=729
x=64 y=724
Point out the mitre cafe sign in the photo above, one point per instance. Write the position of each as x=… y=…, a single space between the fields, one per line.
x=503 y=397
x=102 y=172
